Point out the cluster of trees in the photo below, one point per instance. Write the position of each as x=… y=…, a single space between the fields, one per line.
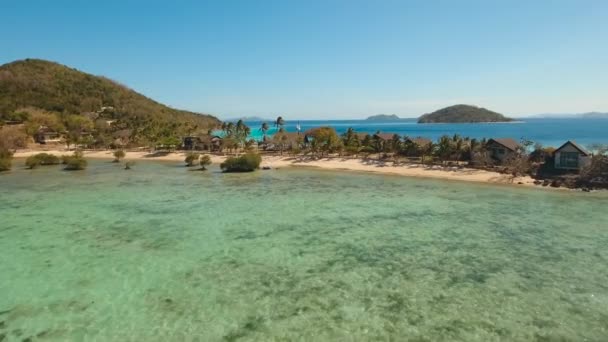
x=279 y=124
x=193 y=158
x=235 y=135
x=597 y=170
x=6 y=159
x=42 y=159
x=75 y=161
x=325 y=140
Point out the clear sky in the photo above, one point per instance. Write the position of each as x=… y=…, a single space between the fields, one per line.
x=328 y=59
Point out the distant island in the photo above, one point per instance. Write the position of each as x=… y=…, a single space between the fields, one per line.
x=463 y=114
x=384 y=117
x=594 y=115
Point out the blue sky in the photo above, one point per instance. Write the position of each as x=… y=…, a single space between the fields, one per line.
x=328 y=59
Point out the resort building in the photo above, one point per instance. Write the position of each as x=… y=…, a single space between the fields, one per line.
x=385 y=136
x=45 y=135
x=571 y=156
x=202 y=143
x=501 y=149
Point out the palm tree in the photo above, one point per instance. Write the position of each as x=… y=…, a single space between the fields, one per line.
x=377 y=141
x=279 y=122
x=264 y=129
x=229 y=128
x=396 y=143
x=458 y=146
x=427 y=150
x=349 y=137
x=444 y=148
x=241 y=132
x=471 y=148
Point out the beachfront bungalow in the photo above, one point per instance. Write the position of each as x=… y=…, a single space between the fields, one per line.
x=191 y=143
x=571 y=156
x=215 y=143
x=501 y=149
x=201 y=143
x=46 y=135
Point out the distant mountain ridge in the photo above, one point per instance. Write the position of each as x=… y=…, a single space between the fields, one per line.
x=248 y=118
x=588 y=115
x=463 y=114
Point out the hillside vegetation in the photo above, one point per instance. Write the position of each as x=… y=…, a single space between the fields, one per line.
x=463 y=114
x=34 y=87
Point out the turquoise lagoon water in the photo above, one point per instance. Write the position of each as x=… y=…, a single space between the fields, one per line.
x=160 y=253
x=547 y=131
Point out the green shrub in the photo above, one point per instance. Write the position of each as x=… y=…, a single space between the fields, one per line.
x=41 y=159
x=32 y=162
x=129 y=165
x=74 y=162
x=118 y=155
x=6 y=158
x=245 y=163
x=191 y=158
x=205 y=161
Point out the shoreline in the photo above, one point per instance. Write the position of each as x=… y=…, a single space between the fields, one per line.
x=327 y=163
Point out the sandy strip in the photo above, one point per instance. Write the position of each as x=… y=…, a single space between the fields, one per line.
x=336 y=163
x=410 y=170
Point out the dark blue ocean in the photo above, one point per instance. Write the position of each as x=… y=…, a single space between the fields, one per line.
x=548 y=132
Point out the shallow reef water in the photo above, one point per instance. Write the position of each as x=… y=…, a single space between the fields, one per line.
x=159 y=253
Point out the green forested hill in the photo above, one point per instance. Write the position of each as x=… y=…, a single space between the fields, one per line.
x=64 y=91
x=463 y=114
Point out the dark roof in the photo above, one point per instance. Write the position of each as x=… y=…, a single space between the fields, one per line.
x=385 y=136
x=362 y=136
x=575 y=145
x=420 y=141
x=506 y=142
